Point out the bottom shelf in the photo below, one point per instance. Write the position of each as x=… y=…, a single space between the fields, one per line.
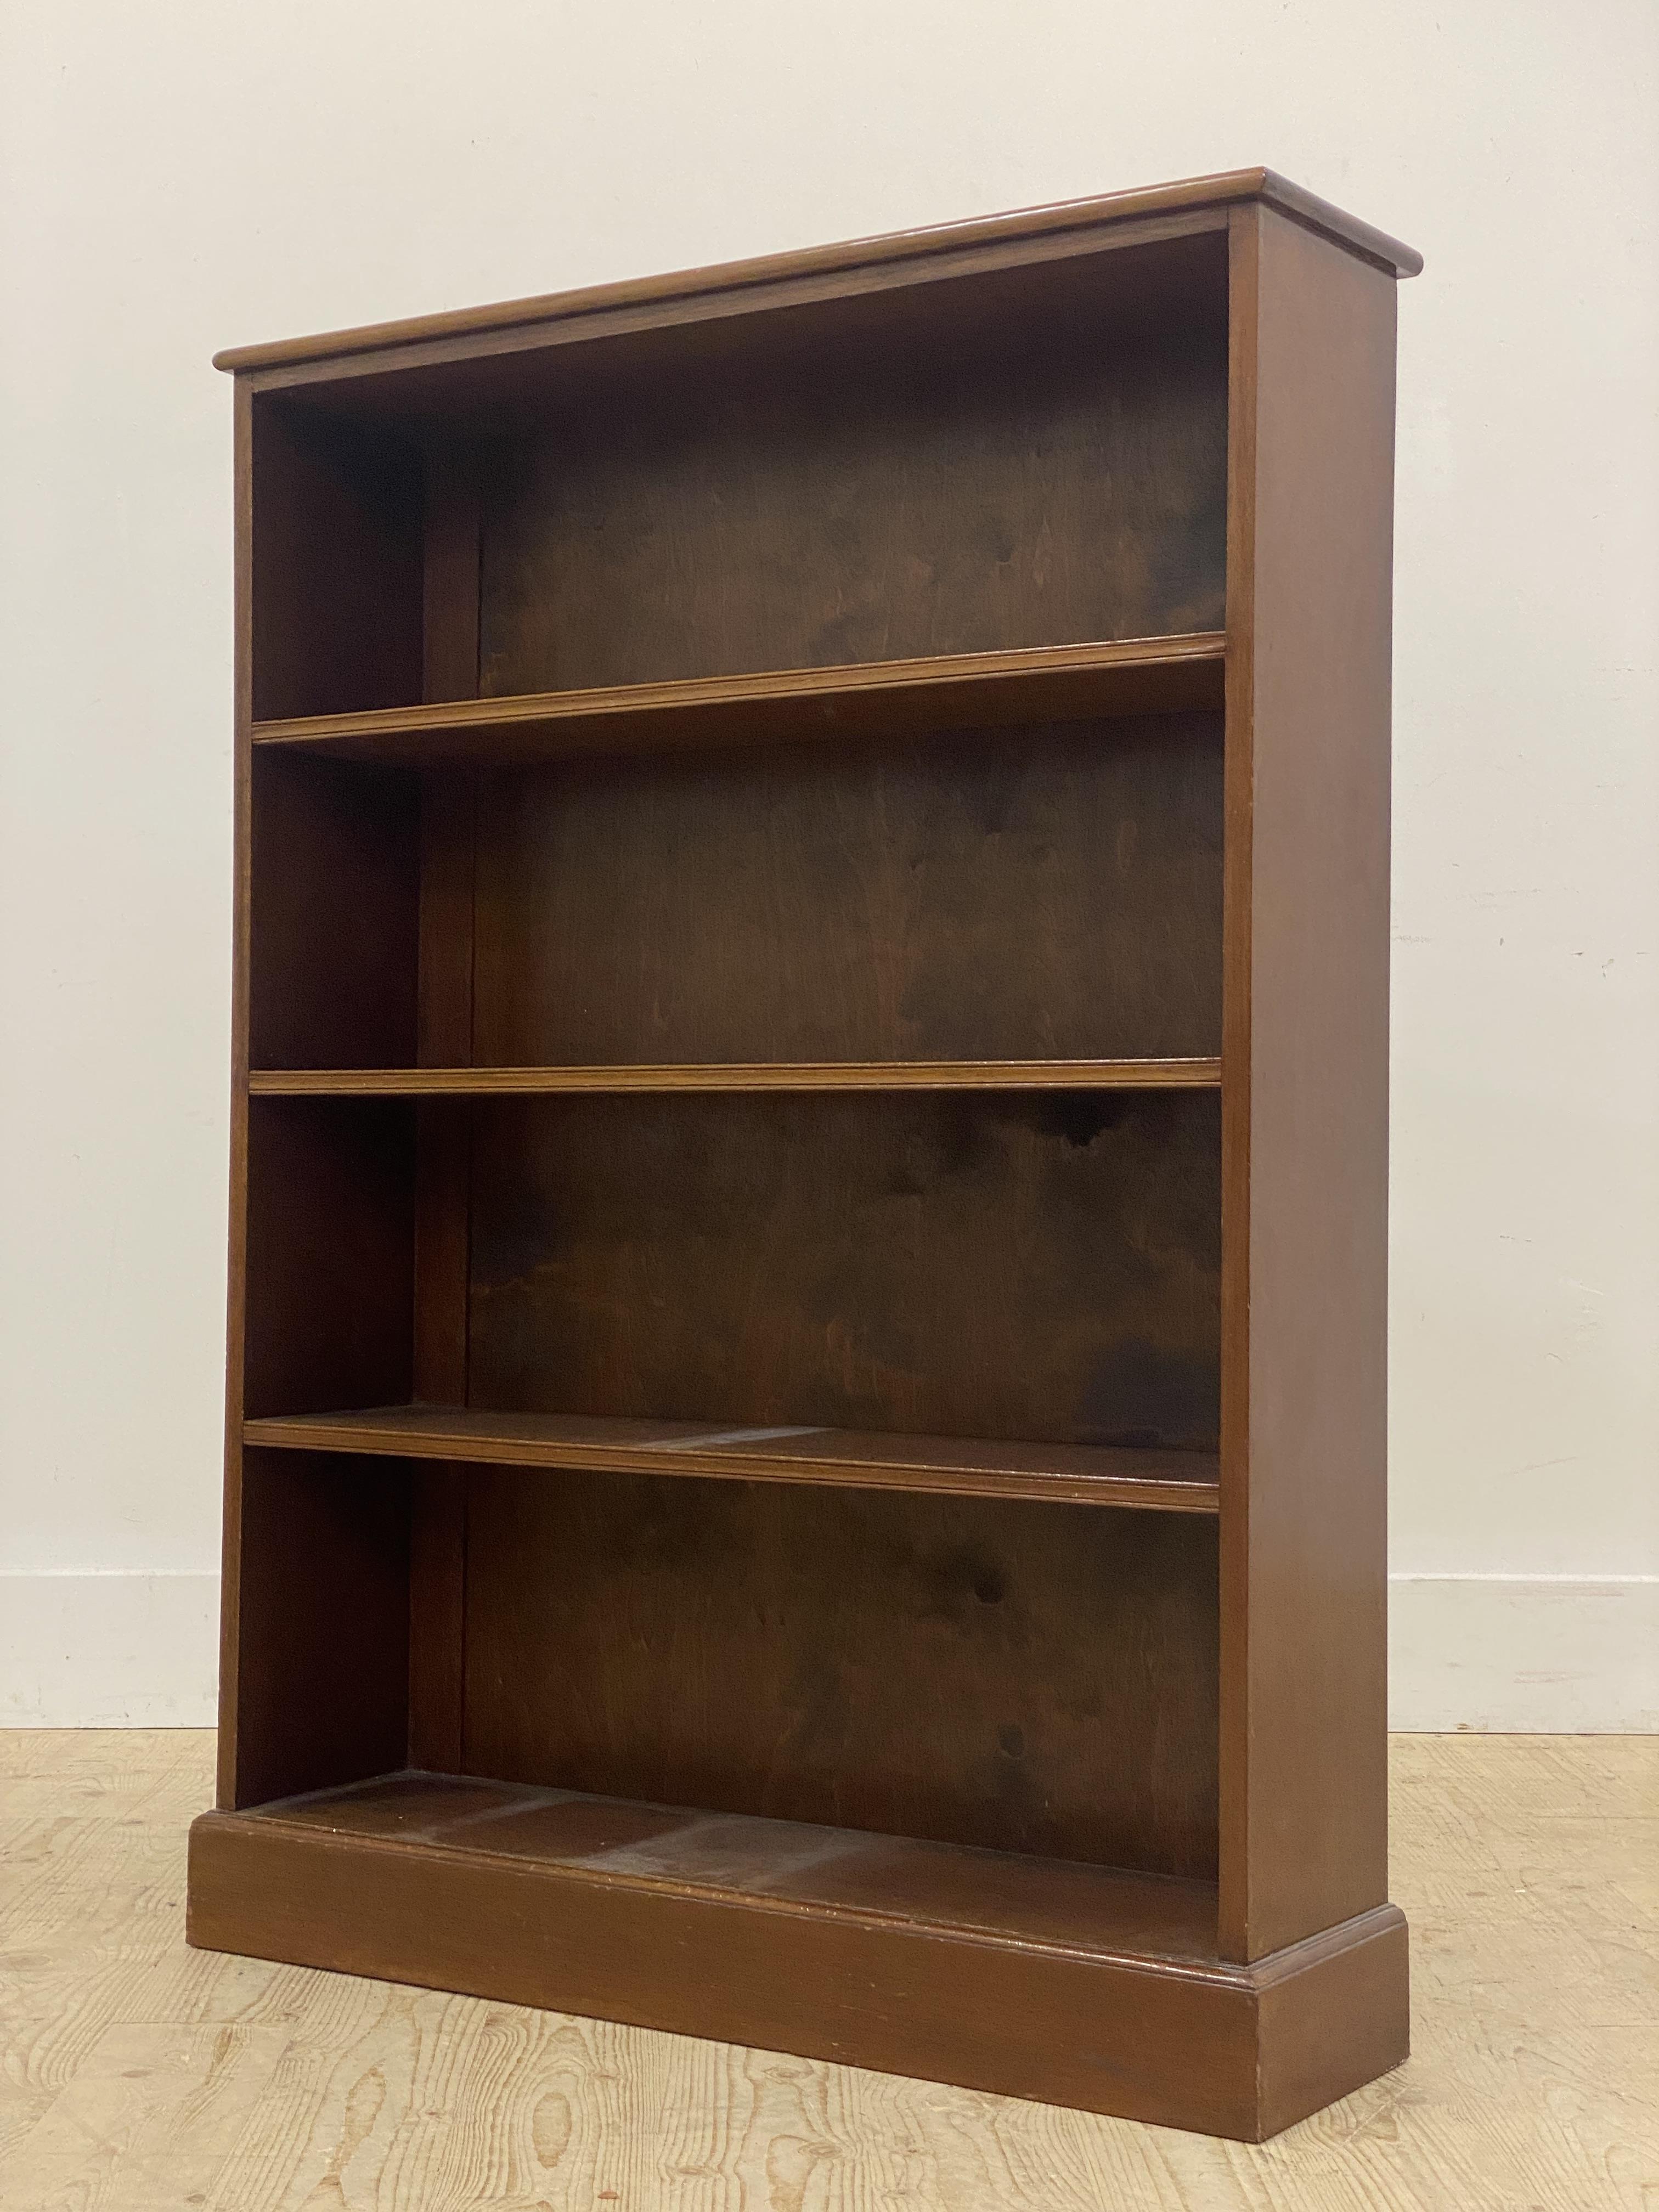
x=1035 y=1978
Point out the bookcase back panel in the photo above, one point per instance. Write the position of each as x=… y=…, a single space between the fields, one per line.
x=1003 y=1265
x=1051 y=892
x=1034 y=1678
x=1024 y=486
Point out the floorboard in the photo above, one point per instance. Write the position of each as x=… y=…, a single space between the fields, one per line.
x=134 y=2073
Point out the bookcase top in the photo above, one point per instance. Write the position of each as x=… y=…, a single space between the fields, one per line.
x=1191 y=196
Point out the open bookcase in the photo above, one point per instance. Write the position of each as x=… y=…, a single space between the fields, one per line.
x=806 y=1377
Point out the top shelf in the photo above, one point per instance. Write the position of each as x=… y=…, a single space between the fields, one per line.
x=1065 y=683
x=1103 y=221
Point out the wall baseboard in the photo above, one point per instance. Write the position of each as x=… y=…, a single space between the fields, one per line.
x=109 y=1651
x=1503 y=1654
x=1523 y=1655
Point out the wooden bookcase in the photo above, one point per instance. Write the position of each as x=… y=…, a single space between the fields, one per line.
x=806 y=1356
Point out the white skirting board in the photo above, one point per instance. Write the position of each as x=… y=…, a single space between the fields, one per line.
x=109 y=1651
x=1518 y=1654
x=1509 y=1654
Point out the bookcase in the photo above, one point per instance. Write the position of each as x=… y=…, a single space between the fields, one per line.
x=806 y=1447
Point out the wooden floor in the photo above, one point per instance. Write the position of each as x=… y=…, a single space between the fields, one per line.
x=137 y=2074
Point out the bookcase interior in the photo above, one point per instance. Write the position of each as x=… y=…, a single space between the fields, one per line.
x=1032 y=1267
x=1030 y=456
x=1006 y=1675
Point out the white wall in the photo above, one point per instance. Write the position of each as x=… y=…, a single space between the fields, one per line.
x=189 y=173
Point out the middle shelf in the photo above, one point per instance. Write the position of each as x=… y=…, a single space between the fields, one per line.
x=1185 y=1074
x=1069 y=1474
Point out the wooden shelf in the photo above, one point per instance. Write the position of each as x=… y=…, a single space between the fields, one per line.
x=1134 y=676
x=881 y=1951
x=1092 y=1474
x=786 y=800
x=722 y=1854
x=817 y=1075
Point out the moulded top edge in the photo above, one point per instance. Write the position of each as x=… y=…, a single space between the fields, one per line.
x=1188 y=196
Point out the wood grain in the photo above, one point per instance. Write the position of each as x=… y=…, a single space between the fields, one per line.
x=437 y=1502
x=1074 y=1474
x=566 y=1004
x=330 y=1255
x=1014 y=1265
x=1124 y=211
x=437 y=1490
x=1195 y=1074
x=936 y=694
x=337 y=566
x=1033 y=1677
x=1051 y=892
x=1524 y=1864
x=323 y=1659
x=1305 y=1093
x=1042 y=482
x=230 y=1538
x=334 y=905
x=980 y=2011
x=950 y=1888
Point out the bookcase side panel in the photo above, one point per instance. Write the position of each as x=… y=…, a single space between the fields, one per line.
x=335 y=564
x=314 y=1638
x=1305 y=1243
x=230 y=1541
x=323 y=1660
x=330 y=1255
x=333 y=891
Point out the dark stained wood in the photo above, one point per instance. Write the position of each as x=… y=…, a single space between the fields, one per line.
x=1030 y=1677
x=1010 y=1265
x=337 y=566
x=449 y=576
x=1305 y=1069
x=1356 y=2018
x=1167 y=270
x=937 y=694
x=447 y=799
x=437 y=1614
x=443 y=1132
x=330 y=1255
x=1051 y=892
x=1238 y=874
x=1010 y=495
x=324 y=1626
x=750 y=1075
x=335 y=902
x=230 y=1541
x=1158 y=1481
x=1122 y=211
x=441 y=1260
x=443 y=1154
x=960 y=1888
x=755 y=1144
x=965 y=1966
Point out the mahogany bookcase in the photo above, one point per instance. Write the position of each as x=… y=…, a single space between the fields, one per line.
x=809 y=1176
